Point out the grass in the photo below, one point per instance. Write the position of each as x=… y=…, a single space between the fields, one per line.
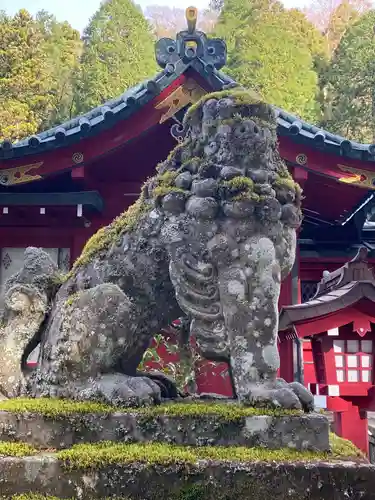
x=63 y=407
x=95 y=456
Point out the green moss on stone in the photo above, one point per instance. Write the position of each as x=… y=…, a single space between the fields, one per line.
x=37 y=496
x=240 y=183
x=160 y=191
x=62 y=407
x=96 y=456
x=343 y=448
x=166 y=184
x=10 y=449
x=241 y=98
x=71 y=299
x=193 y=492
x=285 y=182
x=32 y=496
x=53 y=407
x=241 y=189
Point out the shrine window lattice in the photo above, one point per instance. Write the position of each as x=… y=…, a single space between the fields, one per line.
x=353 y=360
x=308 y=290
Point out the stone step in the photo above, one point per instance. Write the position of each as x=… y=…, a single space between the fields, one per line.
x=300 y=431
x=202 y=479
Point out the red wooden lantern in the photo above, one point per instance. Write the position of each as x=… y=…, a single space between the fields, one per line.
x=339 y=324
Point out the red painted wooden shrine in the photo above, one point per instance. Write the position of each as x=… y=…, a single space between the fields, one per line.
x=337 y=329
x=59 y=187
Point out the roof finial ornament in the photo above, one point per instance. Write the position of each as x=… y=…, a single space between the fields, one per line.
x=191 y=14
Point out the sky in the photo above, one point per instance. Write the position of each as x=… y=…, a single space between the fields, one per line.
x=78 y=12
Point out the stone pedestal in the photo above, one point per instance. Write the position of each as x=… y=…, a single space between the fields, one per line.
x=299 y=432
x=218 y=451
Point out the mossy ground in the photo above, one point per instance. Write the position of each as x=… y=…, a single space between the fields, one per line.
x=87 y=455
x=95 y=456
x=62 y=407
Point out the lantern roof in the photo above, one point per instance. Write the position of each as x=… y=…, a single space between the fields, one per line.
x=338 y=290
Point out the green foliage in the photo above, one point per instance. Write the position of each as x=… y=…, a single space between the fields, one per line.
x=118 y=53
x=23 y=73
x=273 y=51
x=37 y=57
x=9 y=449
x=96 y=456
x=350 y=81
x=62 y=46
x=339 y=21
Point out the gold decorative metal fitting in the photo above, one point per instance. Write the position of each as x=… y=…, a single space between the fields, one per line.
x=191 y=18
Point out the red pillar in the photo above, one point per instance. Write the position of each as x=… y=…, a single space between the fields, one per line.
x=353 y=425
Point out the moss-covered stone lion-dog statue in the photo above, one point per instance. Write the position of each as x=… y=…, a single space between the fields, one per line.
x=213 y=234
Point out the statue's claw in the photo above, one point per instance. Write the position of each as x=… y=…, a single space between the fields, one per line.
x=280 y=394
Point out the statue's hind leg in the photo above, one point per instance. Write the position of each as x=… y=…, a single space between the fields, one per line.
x=249 y=291
x=90 y=333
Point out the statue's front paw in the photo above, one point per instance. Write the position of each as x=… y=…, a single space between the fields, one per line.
x=280 y=394
x=120 y=390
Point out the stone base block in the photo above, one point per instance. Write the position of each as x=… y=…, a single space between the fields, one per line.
x=200 y=481
x=300 y=432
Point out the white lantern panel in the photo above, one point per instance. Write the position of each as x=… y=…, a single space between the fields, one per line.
x=366 y=361
x=366 y=346
x=352 y=375
x=340 y=375
x=339 y=360
x=353 y=346
x=352 y=361
x=366 y=375
x=339 y=345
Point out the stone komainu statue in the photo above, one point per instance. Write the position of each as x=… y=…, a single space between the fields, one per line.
x=213 y=234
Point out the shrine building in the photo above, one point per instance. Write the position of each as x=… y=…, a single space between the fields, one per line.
x=57 y=188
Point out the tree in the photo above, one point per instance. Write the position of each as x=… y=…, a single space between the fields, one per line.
x=216 y=5
x=339 y=21
x=118 y=53
x=350 y=82
x=23 y=74
x=274 y=51
x=320 y=12
x=63 y=47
